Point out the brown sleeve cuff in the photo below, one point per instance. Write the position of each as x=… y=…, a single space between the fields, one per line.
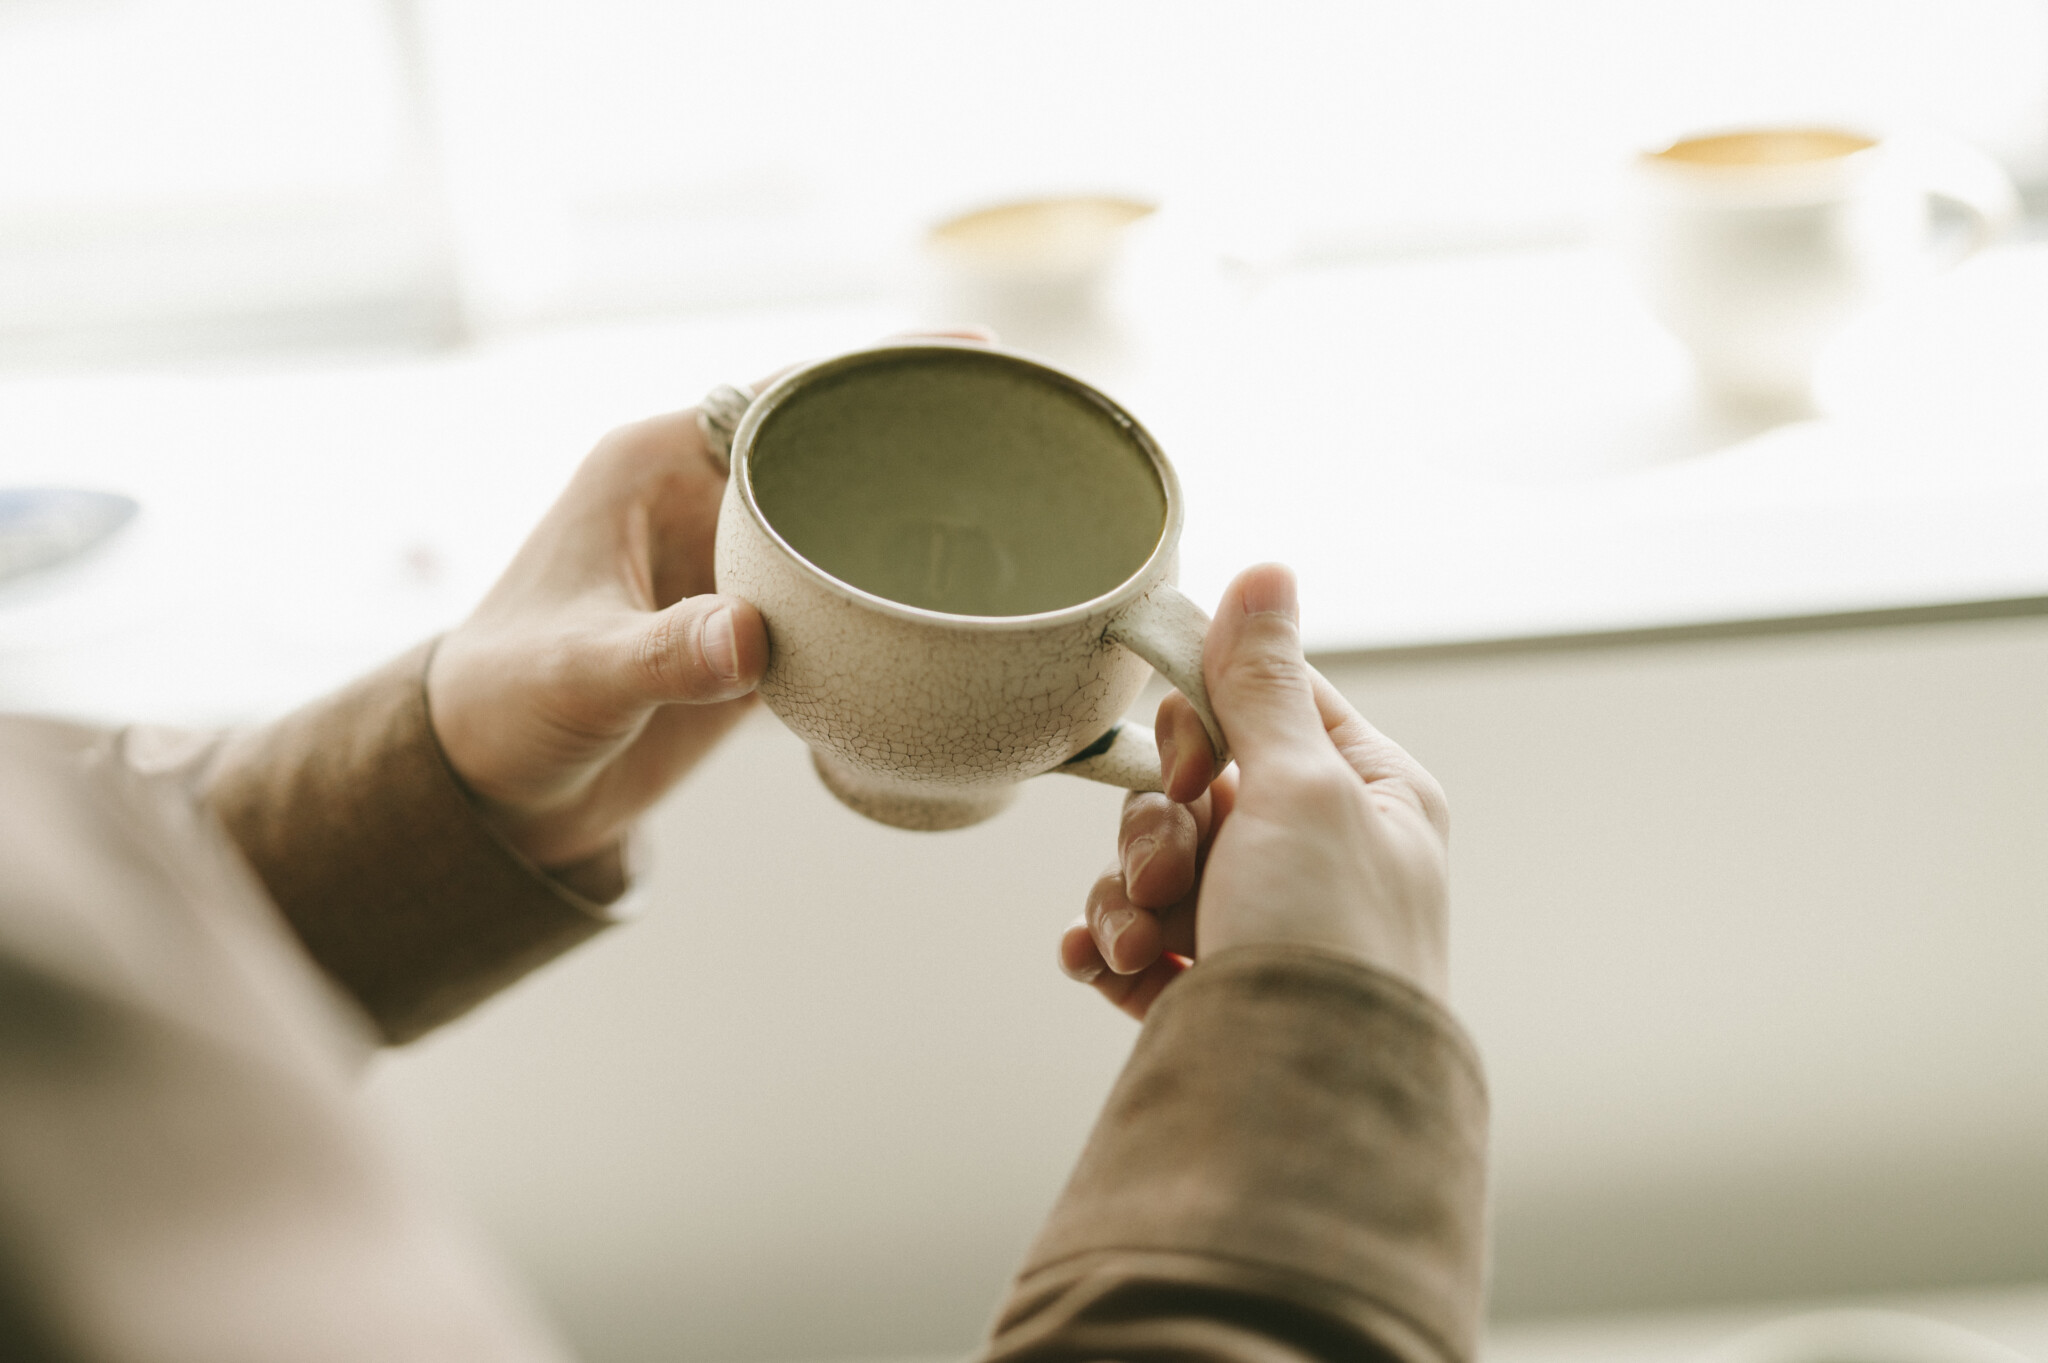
x=397 y=884
x=1294 y=1129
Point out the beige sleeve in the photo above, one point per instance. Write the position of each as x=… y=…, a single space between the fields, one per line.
x=382 y=863
x=1292 y=1166
x=186 y=1173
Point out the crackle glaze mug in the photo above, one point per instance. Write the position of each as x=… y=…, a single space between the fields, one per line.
x=965 y=561
x=1754 y=247
x=1040 y=271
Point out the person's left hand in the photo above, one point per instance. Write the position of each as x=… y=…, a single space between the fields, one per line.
x=601 y=666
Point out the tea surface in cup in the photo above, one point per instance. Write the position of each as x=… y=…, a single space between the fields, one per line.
x=960 y=483
x=1038 y=236
x=1765 y=147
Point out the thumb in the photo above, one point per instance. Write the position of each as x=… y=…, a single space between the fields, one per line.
x=700 y=650
x=1258 y=680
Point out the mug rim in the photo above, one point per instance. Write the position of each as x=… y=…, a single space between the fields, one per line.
x=1871 y=138
x=778 y=392
x=1766 y=180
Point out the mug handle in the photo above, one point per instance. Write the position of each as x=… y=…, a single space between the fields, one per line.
x=1166 y=629
x=1965 y=175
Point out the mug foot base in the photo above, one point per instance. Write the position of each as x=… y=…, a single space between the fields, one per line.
x=1749 y=406
x=922 y=811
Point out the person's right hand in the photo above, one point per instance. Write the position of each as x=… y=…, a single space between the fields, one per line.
x=1327 y=835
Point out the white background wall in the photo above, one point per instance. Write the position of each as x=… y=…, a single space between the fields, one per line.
x=1751 y=933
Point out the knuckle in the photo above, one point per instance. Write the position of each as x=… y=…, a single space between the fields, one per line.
x=560 y=665
x=1423 y=791
x=563 y=681
x=619 y=444
x=1193 y=736
x=664 y=654
x=1435 y=802
x=1263 y=669
x=638 y=435
x=644 y=448
x=1144 y=810
x=1107 y=886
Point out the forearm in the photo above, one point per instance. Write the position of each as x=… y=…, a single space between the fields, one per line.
x=1292 y=1165
x=389 y=873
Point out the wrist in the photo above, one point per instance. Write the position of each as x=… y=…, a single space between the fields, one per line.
x=1418 y=955
x=560 y=842
x=592 y=866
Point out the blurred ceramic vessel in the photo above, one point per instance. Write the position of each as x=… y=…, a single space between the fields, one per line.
x=1755 y=247
x=965 y=560
x=1039 y=271
x=41 y=527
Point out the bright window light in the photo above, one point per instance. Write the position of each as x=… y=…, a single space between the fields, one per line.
x=556 y=159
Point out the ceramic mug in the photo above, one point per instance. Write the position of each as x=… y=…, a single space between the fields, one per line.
x=1040 y=271
x=965 y=561
x=1755 y=247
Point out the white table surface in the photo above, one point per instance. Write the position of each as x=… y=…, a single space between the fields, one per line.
x=2014 y=1317
x=1451 y=450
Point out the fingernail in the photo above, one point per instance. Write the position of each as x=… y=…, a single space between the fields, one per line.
x=1114 y=924
x=1085 y=974
x=721 y=648
x=1169 y=755
x=1272 y=593
x=1136 y=858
